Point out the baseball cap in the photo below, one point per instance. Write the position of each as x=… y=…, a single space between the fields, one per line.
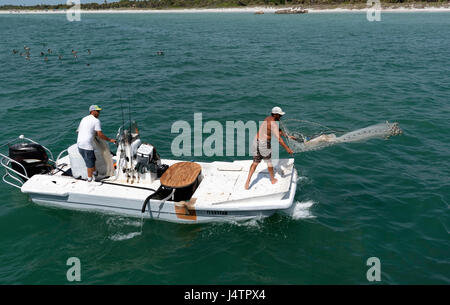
x=94 y=107
x=277 y=110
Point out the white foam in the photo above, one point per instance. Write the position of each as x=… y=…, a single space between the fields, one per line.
x=137 y=223
x=118 y=221
x=301 y=210
x=120 y=236
x=302 y=179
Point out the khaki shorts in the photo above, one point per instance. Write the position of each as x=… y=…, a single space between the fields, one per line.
x=262 y=150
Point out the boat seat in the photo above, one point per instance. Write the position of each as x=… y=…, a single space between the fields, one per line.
x=181 y=175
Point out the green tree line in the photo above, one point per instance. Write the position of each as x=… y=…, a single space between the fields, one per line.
x=161 y=4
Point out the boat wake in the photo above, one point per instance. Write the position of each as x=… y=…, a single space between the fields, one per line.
x=122 y=236
x=302 y=210
x=120 y=227
x=254 y=222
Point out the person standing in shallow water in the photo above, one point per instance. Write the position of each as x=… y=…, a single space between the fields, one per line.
x=262 y=147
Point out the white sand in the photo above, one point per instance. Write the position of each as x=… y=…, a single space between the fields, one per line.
x=229 y=10
x=384 y=10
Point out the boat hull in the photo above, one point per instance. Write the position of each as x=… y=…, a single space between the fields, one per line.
x=212 y=201
x=169 y=210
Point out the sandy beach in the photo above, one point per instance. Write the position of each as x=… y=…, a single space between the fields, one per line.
x=232 y=10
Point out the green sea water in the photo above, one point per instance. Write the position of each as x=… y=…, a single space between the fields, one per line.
x=385 y=199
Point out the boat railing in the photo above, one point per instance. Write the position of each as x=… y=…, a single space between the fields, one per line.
x=12 y=176
x=60 y=154
x=50 y=152
x=10 y=173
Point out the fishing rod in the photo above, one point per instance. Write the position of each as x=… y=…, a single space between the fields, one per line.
x=129 y=113
x=121 y=107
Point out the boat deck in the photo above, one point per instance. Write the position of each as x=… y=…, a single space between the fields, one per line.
x=224 y=182
x=222 y=186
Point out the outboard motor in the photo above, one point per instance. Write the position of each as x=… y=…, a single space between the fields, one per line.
x=148 y=160
x=32 y=156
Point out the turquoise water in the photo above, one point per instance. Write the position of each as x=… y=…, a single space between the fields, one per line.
x=385 y=199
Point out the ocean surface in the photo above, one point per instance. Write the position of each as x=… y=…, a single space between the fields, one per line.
x=387 y=199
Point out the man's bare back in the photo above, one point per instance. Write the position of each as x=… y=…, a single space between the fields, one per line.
x=262 y=143
x=265 y=131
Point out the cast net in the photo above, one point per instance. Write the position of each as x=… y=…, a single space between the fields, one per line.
x=314 y=136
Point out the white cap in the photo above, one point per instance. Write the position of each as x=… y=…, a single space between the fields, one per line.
x=277 y=110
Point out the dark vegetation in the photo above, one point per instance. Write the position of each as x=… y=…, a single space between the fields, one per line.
x=164 y=4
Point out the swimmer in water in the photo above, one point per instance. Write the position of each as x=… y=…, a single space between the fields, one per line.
x=89 y=51
x=45 y=59
x=42 y=53
x=59 y=57
x=15 y=51
x=49 y=51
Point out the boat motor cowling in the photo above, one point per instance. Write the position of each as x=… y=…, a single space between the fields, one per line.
x=32 y=157
x=147 y=159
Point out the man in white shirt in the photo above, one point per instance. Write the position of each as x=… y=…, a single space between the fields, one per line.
x=90 y=127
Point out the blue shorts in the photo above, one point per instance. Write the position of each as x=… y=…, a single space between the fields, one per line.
x=88 y=156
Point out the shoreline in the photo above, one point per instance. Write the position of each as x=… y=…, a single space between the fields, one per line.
x=235 y=10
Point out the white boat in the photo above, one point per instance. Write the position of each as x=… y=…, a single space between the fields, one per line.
x=136 y=182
